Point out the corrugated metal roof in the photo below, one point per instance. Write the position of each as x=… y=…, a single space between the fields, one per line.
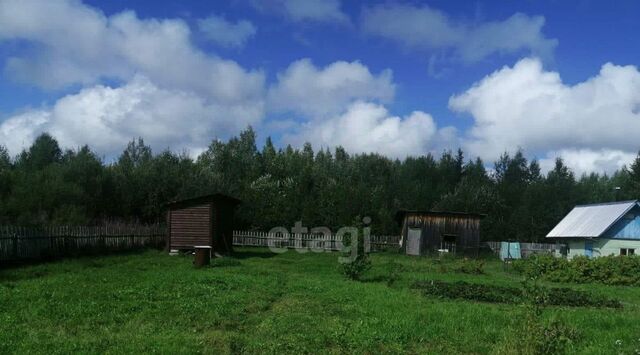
x=591 y=220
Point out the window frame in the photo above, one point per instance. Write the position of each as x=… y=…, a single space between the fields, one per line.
x=627 y=251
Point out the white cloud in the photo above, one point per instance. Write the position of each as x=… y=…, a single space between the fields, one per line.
x=422 y=27
x=305 y=89
x=342 y=104
x=74 y=43
x=582 y=161
x=366 y=127
x=172 y=93
x=593 y=124
x=18 y=132
x=305 y=10
x=107 y=118
x=226 y=33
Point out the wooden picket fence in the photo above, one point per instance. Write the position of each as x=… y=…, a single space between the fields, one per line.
x=308 y=241
x=20 y=243
x=526 y=249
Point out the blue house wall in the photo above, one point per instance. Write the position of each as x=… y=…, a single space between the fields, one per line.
x=628 y=227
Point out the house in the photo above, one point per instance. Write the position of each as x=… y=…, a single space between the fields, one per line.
x=201 y=221
x=432 y=231
x=600 y=229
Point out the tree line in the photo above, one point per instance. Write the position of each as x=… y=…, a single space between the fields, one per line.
x=45 y=185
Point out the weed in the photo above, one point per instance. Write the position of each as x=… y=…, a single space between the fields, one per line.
x=471 y=266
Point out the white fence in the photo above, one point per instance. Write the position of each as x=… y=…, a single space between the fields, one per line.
x=308 y=240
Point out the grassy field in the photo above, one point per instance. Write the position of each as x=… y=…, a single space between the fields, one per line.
x=259 y=302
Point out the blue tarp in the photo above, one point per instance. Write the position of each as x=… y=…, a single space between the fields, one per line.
x=510 y=250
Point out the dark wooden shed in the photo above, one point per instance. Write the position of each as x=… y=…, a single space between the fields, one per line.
x=430 y=231
x=204 y=220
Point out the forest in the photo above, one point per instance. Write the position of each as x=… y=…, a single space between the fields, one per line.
x=46 y=185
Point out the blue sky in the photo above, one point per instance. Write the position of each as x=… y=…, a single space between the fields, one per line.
x=395 y=77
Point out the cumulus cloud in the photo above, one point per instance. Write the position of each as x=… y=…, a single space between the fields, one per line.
x=592 y=124
x=585 y=161
x=226 y=33
x=422 y=27
x=72 y=43
x=168 y=91
x=342 y=104
x=107 y=118
x=368 y=127
x=307 y=10
x=305 y=89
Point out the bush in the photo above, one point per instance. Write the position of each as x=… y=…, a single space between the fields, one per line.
x=513 y=295
x=471 y=266
x=353 y=267
x=469 y=291
x=609 y=270
x=356 y=268
x=568 y=297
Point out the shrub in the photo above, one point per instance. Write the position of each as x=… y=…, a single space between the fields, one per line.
x=610 y=270
x=471 y=266
x=469 y=291
x=567 y=297
x=356 y=268
x=513 y=295
x=353 y=267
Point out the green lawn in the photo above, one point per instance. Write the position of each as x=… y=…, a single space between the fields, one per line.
x=259 y=302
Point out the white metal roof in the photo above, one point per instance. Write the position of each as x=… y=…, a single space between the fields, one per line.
x=591 y=220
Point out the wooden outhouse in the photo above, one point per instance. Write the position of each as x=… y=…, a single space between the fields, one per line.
x=201 y=221
x=433 y=231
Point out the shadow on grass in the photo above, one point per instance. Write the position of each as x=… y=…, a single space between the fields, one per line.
x=375 y=279
x=248 y=254
x=87 y=258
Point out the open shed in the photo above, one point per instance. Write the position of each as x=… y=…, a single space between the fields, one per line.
x=201 y=221
x=430 y=231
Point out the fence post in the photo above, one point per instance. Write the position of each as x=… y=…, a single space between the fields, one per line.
x=14 y=237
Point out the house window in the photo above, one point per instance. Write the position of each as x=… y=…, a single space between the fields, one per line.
x=627 y=251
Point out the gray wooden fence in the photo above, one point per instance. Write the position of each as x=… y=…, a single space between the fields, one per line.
x=20 y=243
x=527 y=249
x=310 y=241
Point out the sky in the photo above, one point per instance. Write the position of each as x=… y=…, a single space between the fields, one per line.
x=399 y=78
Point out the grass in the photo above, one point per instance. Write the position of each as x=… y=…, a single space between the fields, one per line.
x=259 y=302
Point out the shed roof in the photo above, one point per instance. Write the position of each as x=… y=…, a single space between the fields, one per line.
x=203 y=199
x=591 y=221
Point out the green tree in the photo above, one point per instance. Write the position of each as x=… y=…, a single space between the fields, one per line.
x=43 y=152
